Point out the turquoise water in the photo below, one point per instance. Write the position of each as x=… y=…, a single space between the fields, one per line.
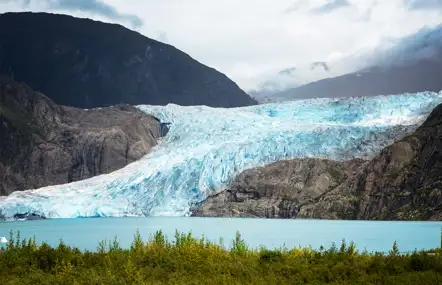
x=372 y=235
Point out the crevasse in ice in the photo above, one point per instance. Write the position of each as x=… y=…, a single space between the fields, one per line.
x=207 y=147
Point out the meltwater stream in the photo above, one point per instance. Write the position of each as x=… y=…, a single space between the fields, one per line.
x=207 y=147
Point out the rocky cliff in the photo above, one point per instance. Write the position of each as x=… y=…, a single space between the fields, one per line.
x=278 y=189
x=402 y=182
x=86 y=64
x=42 y=143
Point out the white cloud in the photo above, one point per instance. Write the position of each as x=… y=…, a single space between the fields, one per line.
x=95 y=7
x=252 y=40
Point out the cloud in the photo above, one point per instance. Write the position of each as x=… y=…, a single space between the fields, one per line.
x=252 y=47
x=426 y=44
x=322 y=64
x=423 y=4
x=295 y=6
x=330 y=6
x=162 y=37
x=287 y=71
x=92 y=6
x=366 y=16
x=277 y=82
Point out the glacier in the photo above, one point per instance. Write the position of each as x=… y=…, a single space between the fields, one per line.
x=206 y=148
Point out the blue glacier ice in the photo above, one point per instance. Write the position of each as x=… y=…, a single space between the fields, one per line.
x=207 y=147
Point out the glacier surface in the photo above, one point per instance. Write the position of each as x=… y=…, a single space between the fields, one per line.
x=207 y=147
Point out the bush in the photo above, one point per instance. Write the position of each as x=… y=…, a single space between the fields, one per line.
x=190 y=260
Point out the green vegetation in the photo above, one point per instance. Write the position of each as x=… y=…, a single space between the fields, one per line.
x=336 y=173
x=188 y=260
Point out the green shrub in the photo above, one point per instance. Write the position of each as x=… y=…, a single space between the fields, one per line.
x=266 y=255
x=239 y=246
x=191 y=260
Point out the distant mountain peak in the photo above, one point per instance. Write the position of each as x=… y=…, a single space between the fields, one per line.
x=410 y=73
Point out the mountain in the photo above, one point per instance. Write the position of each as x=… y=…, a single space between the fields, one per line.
x=276 y=190
x=85 y=64
x=42 y=143
x=283 y=80
x=414 y=76
x=402 y=182
x=207 y=148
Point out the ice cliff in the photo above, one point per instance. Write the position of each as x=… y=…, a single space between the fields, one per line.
x=207 y=147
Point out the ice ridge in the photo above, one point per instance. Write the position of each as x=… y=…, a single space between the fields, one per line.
x=206 y=148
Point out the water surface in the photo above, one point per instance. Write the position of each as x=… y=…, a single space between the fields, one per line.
x=372 y=235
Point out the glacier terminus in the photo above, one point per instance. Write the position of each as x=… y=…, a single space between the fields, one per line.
x=207 y=147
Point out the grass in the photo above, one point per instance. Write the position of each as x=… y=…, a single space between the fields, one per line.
x=189 y=260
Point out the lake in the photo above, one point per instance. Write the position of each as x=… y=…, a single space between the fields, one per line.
x=372 y=235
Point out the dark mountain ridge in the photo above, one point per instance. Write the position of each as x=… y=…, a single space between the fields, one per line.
x=85 y=63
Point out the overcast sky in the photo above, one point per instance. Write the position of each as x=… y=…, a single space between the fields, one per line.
x=251 y=41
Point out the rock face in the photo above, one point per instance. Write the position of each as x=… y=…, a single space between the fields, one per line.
x=86 y=64
x=403 y=182
x=43 y=144
x=277 y=190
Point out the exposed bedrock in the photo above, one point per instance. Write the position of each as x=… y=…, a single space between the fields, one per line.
x=43 y=144
x=402 y=182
